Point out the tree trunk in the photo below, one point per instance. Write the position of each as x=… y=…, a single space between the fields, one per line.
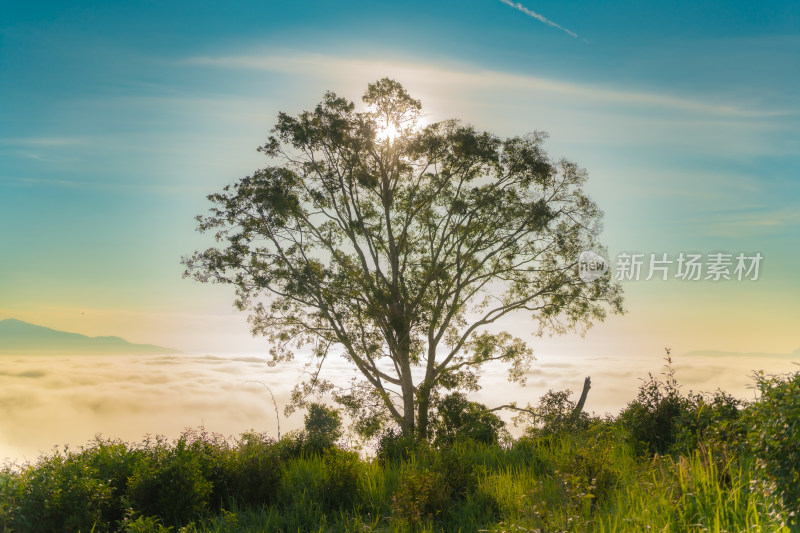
x=423 y=404
x=408 y=402
x=587 y=384
x=406 y=380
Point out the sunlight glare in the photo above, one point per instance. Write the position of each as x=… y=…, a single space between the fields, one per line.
x=388 y=132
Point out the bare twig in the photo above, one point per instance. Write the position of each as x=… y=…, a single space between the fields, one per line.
x=274 y=403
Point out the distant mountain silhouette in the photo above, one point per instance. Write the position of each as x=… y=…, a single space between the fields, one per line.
x=21 y=338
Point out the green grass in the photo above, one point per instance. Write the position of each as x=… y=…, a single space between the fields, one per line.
x=582 y=481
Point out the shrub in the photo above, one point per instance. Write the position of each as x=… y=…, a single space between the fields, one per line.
x=419 y=497
x=590 y=471
x=437 y=481
x=776 y=439
x=340 y=487
x=171 y=482
x=652 y=420
x=557 y=414
x=7 y=488
x=114 y=462
x=461 y=419
x=716 y=421
x=249 y=473
x=290 y=446
x=661 y=420
x=394 y=447
x=61 y=492
x=457 y=471
x=528 y=451
x=323 y=427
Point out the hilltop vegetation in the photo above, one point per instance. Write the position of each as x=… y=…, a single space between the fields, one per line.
x=668 y=462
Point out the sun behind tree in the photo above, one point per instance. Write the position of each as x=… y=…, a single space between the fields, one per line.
x=398 y=255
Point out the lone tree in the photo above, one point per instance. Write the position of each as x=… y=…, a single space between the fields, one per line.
x=397 y=246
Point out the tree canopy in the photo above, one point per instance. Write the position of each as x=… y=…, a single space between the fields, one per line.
x=399 y=247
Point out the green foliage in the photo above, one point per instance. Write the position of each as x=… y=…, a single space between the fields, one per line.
x=458 y=470
x=418 y=498
x=394 y=447
x=555 y=414
x=61 y=492
x=590 y=471
x=662 y=420
x=458 y=419
x=340 y=479
x=435 y=482
x=323 y=427
x=717 y=421
x=171 y=482
x=114 y=462
x=776 y=439
x=248 y=473
x=387 y=250
x=145 y=524
x=653 y=418
x=533 y=454
x=291 y=445
x=301 y=494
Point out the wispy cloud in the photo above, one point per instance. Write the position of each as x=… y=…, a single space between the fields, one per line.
x=38 y=181
x=46 y=149
x=421 y=73
x=537 y=16
x=752 y=223
x=41 y=141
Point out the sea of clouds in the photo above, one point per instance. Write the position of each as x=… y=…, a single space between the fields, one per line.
x=48 y=401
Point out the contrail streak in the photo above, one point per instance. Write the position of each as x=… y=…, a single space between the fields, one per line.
x=534 y=14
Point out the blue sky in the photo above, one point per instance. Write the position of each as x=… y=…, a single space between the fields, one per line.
x=118 y=119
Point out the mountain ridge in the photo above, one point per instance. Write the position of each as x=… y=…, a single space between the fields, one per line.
x=23 y=338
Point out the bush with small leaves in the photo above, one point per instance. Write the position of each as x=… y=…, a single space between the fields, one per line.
x=114 y=462
x=437 y=481
x=532 y=453
x=340 y=487
x=775 y=436
x=662 y=420
x=418 y=498
x=394 y=447
x=144 y=524
x=323 y=427
x=715 y=420
x=590 y=472
x=248 y=473
x=7 y=486
x=171 y=482
x=460 y=419
x=61 y=492
x=457 y=470
x=291 y=445
x=652 y=420
x=556 y=415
